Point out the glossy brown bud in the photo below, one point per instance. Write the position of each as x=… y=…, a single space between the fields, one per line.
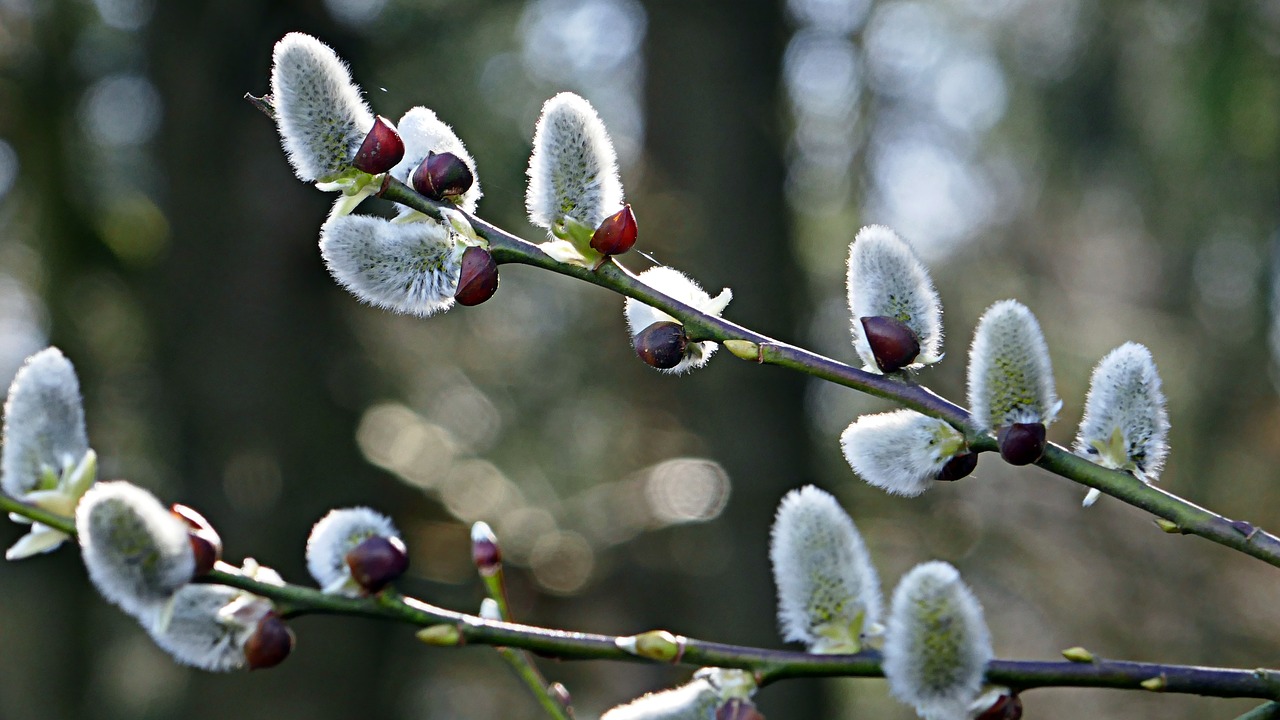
x=478 y=279
x=442 y=176
x=893 y=344
x=376 y=561
x=270 y=643
x=1008 y=707
x=958 y=466
x=206 y=545
x=738 y=709
x=616 y=234
x=1021 y=443
x=381 y=150
x=662 y=344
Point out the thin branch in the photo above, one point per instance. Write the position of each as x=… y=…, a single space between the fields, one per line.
x=1266 y=711
x=1185 y=517
x=769 y=665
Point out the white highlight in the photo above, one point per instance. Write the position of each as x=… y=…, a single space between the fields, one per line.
x=573 y=171
x=900 y=452
x=677 y=286
x=337 y=534
x=1125 y=425
x=409 y=267
x=828 y=591
x=423 y=132
x=137 y=553
x=886 y=278
x=320 y=114
x=936 y=645
x=1010 y=375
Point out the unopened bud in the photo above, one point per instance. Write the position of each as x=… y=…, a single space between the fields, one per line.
x=478 y=278
x=1078 y=654
x=440 y=635
x=744 y=349
x=1006 y=707
x=381 y=150
x=662 y=344
x=893 y=344
x=616 y=234
x=560 y=693
x=269 y=644
x=1155 y=684
x=442 y=176
x=738 y=709
x=376 y=561
x=1021 y=443
x=206 y=544
x=958 y=466
x=657 y=645
x=485 y=551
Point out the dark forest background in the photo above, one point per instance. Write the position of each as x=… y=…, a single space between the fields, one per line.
x=1116 y=166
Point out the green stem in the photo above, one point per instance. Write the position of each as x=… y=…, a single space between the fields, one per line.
x=1188 y=517
x=768 y=665
x=1266 y=711
x=496 y=587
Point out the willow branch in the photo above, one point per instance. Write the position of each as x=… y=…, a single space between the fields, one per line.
x=1181 y=516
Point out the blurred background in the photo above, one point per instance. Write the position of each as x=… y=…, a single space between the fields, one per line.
x=1115 y=166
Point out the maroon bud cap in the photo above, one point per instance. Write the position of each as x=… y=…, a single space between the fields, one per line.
x=662 y=344
x=485 y=551
x=894 y=345
x=270 y=643
x=206 y=545
x=478 y=279
x=958 y=466
x=738 y=709
x=1021 y=443
x=381 y=150
x=616 y=234
x=442 y=176
x=376 y=561
x=1008 y=707
x=560 y=693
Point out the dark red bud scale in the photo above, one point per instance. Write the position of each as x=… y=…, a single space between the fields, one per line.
x=478 y=279
x=376 y=561
x=893 y=344
x=662 y=344
x=616 y=234
x=206 y=545
x=442 y=176
x=958 y=466
x=1021 y=443
x=738 y=709
x=487 y=556
x=270 y=643
x=381 y=150
x=1008 y=707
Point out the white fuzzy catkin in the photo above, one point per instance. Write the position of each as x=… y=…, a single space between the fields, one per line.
x=902 y=451
x=677 y=286
x=44 y=433
x=828 y=591
x=337 y=534
x=936 y=644
x=1125 y=425
x=406 y=267
x=885 y=278
x=137 y=553
x=695 y=700
x=320 y=114
x=573 y=171
x=1010 y=375
x=207 y=626
x=423 y=132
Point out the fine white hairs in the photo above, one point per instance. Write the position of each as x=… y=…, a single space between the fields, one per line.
x=1010 y=375
x=337 y=534
x=885 y=278
x=405 y=267
x=902 y=451
x=681 y=287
